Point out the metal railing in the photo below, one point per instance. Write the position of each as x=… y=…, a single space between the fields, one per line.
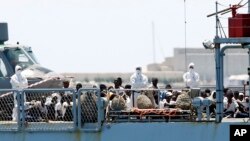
x=50 y=110
x=88 y=109
x=6 y=110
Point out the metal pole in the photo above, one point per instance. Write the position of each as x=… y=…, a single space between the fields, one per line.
x=18 y=96
x=74 y=110
x=219 y=103
x=248 y=80
x=216 y=20
x=79 y=116
x=185 y=33
x=249 y=6
x=219 y=72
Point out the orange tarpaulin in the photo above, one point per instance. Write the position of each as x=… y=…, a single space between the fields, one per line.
x=165 y=112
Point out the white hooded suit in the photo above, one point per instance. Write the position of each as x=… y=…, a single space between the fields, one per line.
x=138 y=81
x=18 y=81
x=191 y=78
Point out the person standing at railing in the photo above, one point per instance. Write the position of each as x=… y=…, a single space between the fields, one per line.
x=138 y=81
x=18 y=81
x=191 y=78
x=117 y=85
x=152 y=94
x=119 y=79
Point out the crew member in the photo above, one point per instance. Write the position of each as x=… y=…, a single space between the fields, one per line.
x=138 y=81
x=18 y=81
x=191 y=78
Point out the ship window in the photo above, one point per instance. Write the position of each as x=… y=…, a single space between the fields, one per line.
x=3 y=71
x=31 y=54
x=17 y=57
x=22 y=58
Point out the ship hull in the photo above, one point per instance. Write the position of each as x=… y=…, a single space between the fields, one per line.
x=169 y=131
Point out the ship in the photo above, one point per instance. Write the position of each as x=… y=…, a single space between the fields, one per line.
x=91 y=120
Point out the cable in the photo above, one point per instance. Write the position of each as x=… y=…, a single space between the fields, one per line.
x=185 y=33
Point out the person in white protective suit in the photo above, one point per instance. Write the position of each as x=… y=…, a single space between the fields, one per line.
x=138 y=81
x=19 y=82
x=191 y=78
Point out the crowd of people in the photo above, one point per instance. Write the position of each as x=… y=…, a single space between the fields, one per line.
x=139 y=93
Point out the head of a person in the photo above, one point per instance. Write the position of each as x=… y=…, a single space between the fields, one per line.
x=116 y=84
x=154 y=81
x=103 y=90
x=119 y=79
x=236 y=94
x=241 y=96
x=43 y=99
x=225 y=91
x=169 y=88
x=207 y=91
x=78 y=86
x=138 y=70
x=230 y=95
x=128 y=92
x=214 y=94
x=54 y=99
x=203 y=94
x=102 y=87
x=247 y=100
x=111 y=89
x=18 y=69
x=168 y=96
x=66 y=84
x=191 y=66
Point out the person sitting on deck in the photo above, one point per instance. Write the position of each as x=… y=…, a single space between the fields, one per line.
x=231 y=107
x=127 y=96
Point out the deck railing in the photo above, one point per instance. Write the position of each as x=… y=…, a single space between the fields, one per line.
x=87 y=109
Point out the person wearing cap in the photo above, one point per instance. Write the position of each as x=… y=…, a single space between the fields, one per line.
x=243 y=105
x=18 y=81
x=191 y=78
x=138 y=81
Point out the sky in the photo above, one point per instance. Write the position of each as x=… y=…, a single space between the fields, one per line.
x=109 y=35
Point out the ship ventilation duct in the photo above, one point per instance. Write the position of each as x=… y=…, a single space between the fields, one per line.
x=3 y=33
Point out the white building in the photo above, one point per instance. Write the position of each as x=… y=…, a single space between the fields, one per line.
x=236 y=62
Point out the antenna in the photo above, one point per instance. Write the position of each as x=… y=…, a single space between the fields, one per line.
x=232 y=8
x=185 y=34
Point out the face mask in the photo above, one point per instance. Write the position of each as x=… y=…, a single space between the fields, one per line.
x=138 y=72
x=18 y=72
x=191 y=69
